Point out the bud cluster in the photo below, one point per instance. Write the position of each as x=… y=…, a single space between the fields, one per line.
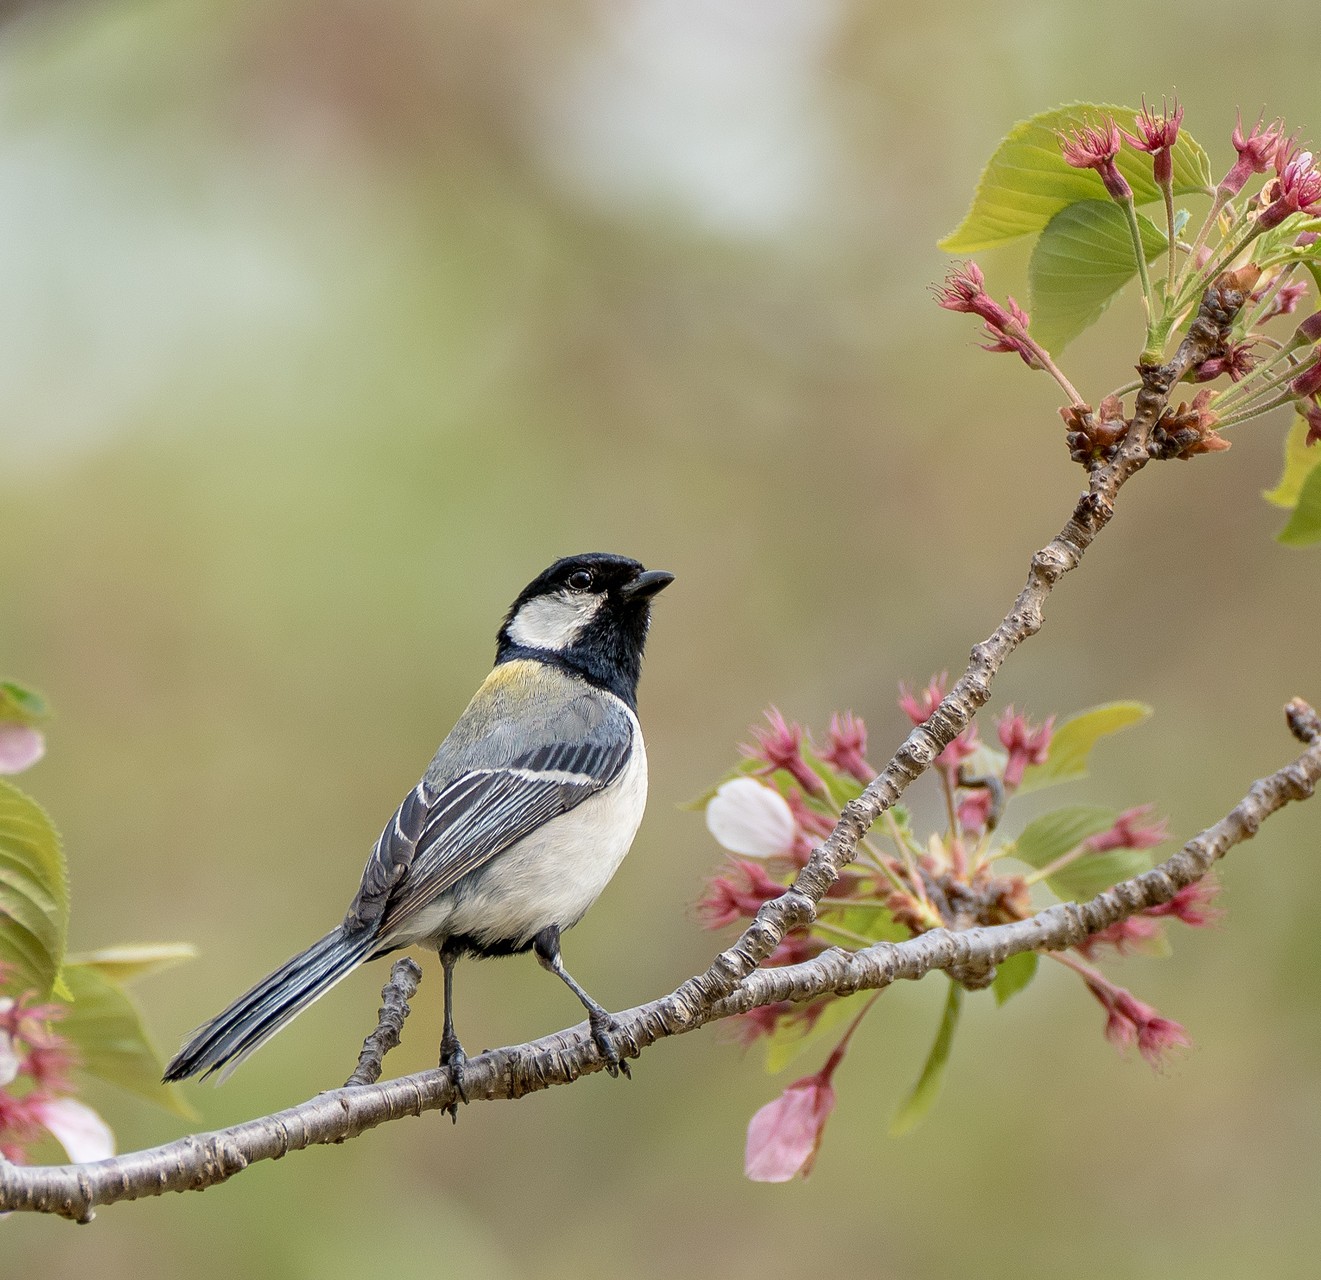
x=785 y=798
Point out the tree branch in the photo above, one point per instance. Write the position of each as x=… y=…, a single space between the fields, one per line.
x=395 y=995
x=203 y=1160
x=733 y=983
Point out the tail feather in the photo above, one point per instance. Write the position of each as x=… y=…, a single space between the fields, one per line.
x=274 y=1002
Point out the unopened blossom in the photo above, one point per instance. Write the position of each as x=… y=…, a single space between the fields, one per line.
x=1256 y=149
x=750 y=818
x=964 y=290
x=919 y=706
x=785 y=1135
x=738 y=895
x=1131 y=934
x=1136 y=828
x=1236 y=360
x=1308 y=383
x=1157 y=137
x=1095 y=147
x=780 y=746
x=1286 y=300
x=1027 y=744
x=846 y=748
x=1192 y=905
x=974 y=809
x=79 y=1130
x=1130 y=1021
x=21 y=746
x=1297 y=189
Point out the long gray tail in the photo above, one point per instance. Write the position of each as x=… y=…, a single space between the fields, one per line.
x=276 y=1000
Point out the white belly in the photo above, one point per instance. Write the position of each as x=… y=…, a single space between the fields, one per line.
x=550 y=877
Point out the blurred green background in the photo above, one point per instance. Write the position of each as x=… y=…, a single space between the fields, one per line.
x=323 y=327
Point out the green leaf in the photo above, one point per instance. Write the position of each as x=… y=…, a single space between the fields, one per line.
x=1013 y=975
x=1073 y=741
x=927 y=1088
x=20 y=705
x=1096 y=872
x=106 y=1027
x=34 y=894
x=1299 y=463
x=1082 y=259
x=1053 y=834
x=792 y=1038
x=1028 y=181
x=1304 y=527
x=870 y=920
x=128 y=961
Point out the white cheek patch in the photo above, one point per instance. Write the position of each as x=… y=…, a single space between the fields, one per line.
x=553 y=622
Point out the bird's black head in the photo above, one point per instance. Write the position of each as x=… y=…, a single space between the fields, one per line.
x=588 y=614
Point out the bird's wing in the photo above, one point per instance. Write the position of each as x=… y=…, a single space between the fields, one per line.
x=439 y=835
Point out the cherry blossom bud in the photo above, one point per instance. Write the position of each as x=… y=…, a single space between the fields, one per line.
x=21 y=746
x=750 y=818
x=1129 y=1021
x=1255 y=150
x=785 y=1135
x=1157 y=137
x=739 y=895
x=1132 y=934
x=1026 y=745
x=919 y=706
x=974 y=809
x=1307 y=383
x=847 y=749
x=1192 y=904
x=1286 y=301
x=79 y=1130
x=1095 y=147
x=1136 y=828
x=780 y=746
x=1312 y=415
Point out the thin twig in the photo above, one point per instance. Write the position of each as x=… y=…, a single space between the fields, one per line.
x=401 y=987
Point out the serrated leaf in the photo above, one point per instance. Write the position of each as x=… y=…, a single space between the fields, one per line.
x=1052 y=835
x=791 y=1038
x=1096 y=872
x=1013 y=975
x=34 y=894
x=1304 y=527
x=21 y=705
x=1299 y=462
x=1027 y=181
x=106 y=1027
x=124 y=963
x=927 y=1088
x=1072 y=742
x=1081 y=260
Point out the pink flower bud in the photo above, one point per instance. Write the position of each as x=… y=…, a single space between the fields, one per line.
x=1026 y=745
x=1255 y=150
x=1136 y=828
x=1129 y=1020
x=1157 y=137
x=785 y=1135
x=739 y=895
x=847 y=749
x=919 y=706
x=1192 y=905
x=780 y=746
x=1095 y=147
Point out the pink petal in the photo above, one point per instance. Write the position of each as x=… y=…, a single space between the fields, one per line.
x=21 y=746
x=81 y=1132
x=784 y=1135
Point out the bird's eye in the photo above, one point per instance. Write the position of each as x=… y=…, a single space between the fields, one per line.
x=580 y=580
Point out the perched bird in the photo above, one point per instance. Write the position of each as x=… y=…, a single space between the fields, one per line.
x=522 y=817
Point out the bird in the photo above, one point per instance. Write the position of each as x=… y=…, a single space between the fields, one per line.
x=523 y=816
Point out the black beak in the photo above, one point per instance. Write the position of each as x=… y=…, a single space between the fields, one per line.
x=646 y=585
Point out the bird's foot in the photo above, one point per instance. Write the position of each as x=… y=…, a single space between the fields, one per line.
x=453 y=1057
x=605 y=1032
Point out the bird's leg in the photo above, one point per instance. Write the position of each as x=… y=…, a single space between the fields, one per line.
x=604 y=1028
x=451 y=1051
